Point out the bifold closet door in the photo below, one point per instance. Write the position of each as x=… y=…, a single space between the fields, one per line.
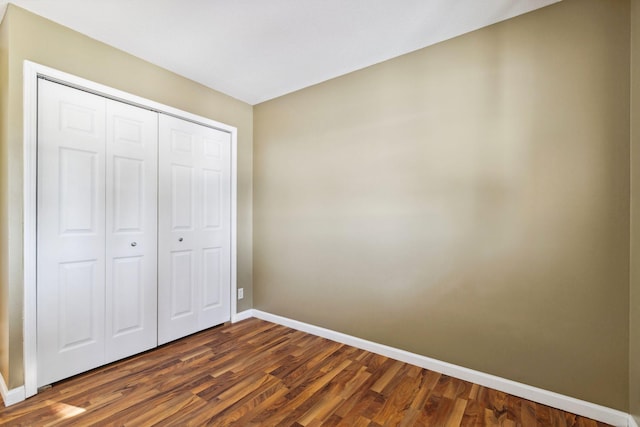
x=70 y=231
x=96 y=289
x=132 y=230
x=194 y=254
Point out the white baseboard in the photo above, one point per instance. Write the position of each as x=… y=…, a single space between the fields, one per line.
x=549 y=398
x=13 y=396
x=243 y=315
x=556 y=400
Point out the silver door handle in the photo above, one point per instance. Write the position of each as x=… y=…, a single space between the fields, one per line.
x=134 y=244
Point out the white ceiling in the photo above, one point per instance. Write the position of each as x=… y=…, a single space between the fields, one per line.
x=256 y=50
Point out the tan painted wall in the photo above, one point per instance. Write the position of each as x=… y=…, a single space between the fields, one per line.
x=634 y=325
x=468 y=201
x=4 y=273
x=42 y=41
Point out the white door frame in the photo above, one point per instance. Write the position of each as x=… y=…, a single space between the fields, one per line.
x=31 y=73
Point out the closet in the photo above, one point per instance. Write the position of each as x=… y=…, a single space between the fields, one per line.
x=133 y=230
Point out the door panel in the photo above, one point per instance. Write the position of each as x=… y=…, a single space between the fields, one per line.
x=182 y=189
x=81 y=119
x=131 y=222
x=71 y=232
x=212 y=194
x=77 y=301
x=78 y=191
x=128 y=295
x=182 y=285
x=212 y=281
x=194 y=228
x=128 y=209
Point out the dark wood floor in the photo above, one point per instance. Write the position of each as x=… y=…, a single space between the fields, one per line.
x=255 y=373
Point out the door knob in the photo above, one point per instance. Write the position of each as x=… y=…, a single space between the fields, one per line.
x=180 y=239
x=134 y=244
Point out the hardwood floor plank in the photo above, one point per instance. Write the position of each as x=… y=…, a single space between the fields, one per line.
x=431 y=410
x=455 y=417
x=255 y=373
x=528 y=413
x=398 y=398
x=543 y=415
x=321 y=410
x=441 y=386
x=363 y=398
x=445 y=409
x=473 y=414
x=305 y=398
x=356 y=382
x=557 y=418
x=257 y=407
x=164 y=405
x=388 y=375
x=490 y=418
x=359 y=400
x=428 y=383
x=513 y=406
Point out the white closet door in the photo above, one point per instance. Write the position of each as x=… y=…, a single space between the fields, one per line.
x=71 y=232
x=97 y=231
x=131 y=223
x=194 y=257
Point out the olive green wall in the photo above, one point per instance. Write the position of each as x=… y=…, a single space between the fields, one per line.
x=36 y=39
x=634 y=331
x=468 y=202
x=4 y=273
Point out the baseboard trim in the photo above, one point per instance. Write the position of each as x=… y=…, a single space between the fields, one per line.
x=549 y=398
x=632 y=421
x=243 y=315
x=13 y=396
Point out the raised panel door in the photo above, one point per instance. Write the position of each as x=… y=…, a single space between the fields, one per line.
x=131 y=224
x=215 y=237
x=194 y=228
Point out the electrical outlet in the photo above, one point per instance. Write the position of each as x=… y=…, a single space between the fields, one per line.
x=240 y=293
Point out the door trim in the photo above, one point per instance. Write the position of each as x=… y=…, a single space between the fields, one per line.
x=31 y=72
